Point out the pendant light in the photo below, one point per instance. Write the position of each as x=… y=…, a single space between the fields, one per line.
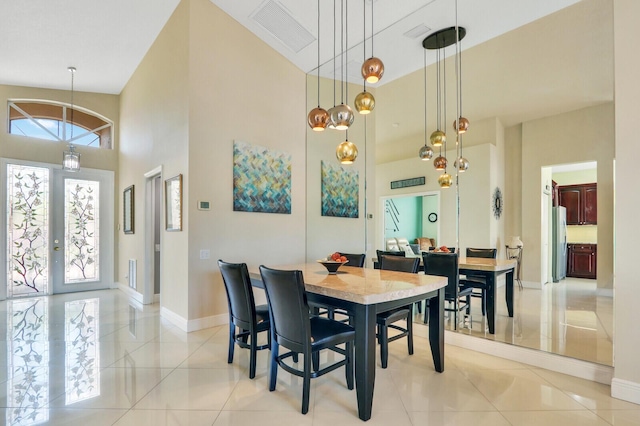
x=373 y=68
x=71 y=158
x=426 y=152
x=364 y=102
x=318 y=118
x=341 y=116
x=461 y=125
x=346 y=152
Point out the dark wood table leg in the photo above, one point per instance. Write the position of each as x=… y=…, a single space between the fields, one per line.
x=365 y=324
x=509 y=292
x=491 y=302
x=436 y=330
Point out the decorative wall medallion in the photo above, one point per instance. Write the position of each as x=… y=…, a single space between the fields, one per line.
x=497 y=203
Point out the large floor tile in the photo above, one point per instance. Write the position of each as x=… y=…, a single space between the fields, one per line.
x=554 y=418
x=450 y=418
x=167 y=418
x=266 y=418
x=61 y=416
x=621 y=417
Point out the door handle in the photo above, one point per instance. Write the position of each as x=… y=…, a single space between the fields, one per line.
x=56 y=248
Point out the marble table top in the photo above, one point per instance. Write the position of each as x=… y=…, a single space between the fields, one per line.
x=361 y=285
x=483 y=264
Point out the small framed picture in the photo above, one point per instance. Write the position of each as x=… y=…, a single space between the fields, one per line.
x=173 y=203
x=128 y=210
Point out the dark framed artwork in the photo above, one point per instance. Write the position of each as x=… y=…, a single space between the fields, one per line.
x=173 y=203
x=128 y=210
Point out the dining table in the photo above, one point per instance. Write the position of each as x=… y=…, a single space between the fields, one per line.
x=490 y=269
x=364 y=293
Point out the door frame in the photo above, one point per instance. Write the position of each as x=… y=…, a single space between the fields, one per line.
x=107 y=214
x=149 y=244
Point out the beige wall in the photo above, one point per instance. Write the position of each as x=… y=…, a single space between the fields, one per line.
x=577 y=136
x=626 y=383
x=202 y=85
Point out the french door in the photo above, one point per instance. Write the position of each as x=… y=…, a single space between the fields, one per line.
x=58 y=229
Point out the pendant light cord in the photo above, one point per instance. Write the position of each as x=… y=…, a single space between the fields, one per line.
x=346 y=49
x=334 y=53
x=318 y=53
x=342 y=51
x=364 y=39
x=425 y=96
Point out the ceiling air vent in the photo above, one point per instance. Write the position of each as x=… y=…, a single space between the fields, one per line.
x=419 y=31
x=277 y=20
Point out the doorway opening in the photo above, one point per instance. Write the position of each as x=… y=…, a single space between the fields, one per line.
x=153 y=236
x=410 y=216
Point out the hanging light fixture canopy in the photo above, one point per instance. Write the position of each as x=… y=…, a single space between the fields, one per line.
x=71 y=158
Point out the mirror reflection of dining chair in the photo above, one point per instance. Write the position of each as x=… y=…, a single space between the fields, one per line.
x=293 y=329
x=446 y=265
x=478 y=283
x=244 y=315
x=379 y=253
x=387 y=320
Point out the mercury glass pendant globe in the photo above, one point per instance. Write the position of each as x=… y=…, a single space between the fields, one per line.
x=318 y=119
x=462 y=164
x=347 y=152
x=445 y=181
x=425 y=153
x=341 y=116
x=364 y=102
x=438 y=138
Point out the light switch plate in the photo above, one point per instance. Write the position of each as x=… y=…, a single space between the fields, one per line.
x=204 y=254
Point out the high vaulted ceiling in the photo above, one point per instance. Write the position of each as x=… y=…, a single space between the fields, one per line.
x=106 y=40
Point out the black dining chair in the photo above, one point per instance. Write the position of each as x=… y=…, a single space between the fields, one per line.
x=446 y=265
x=243 y=313
x=478 y=283
x=376 y=264
x=387 y=320
x=294 y=329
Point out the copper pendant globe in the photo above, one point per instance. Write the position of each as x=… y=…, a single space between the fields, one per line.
x=372 y=70
x=425 y=153
x=365 y=102
x=463 y=125
x=318 y=119
x=444 y=180
x=347 y=152
x=440 y=163
x=438 y=138
x=341 y=117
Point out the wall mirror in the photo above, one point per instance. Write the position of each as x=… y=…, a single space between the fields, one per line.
x=539 y=97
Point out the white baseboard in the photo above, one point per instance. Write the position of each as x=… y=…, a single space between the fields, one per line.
x=193 y=325
x=605 y=292
x=625 y=390
x=561 y=364
x=130 y=292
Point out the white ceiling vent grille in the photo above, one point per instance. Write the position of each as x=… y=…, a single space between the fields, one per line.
x=275 y=19
x=420 y=30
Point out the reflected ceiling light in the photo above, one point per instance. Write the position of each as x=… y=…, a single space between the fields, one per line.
x=461 y=124
x=341 y=116
x=445 y=180
x=373 y=68
x=70 y=158
x=426 y=152
x=318 y=117
x=365 y=102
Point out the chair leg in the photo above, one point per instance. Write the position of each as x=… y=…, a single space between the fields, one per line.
x=232 y=341
x=349 y=367
x=273 y=368
x=315 y=360
x=410 y=331
x=253 y=354
x=306 y=384
x=484 y=303
x=384 y=345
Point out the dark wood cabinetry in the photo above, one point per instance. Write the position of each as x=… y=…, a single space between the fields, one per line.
x=581 y=202
x=582 y=260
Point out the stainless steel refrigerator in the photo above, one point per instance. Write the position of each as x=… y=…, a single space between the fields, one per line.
x=559 y=243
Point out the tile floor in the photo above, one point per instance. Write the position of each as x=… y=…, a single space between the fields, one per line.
x=565 y=318
x=95 y=358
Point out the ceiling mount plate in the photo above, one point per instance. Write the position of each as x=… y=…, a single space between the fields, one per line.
x=443 y=38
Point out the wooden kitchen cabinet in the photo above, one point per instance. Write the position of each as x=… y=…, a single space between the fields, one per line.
x=581 y=202
x=582 y=260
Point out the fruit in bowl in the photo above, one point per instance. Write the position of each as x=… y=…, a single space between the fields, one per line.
x=442 y=249
x=333 y=262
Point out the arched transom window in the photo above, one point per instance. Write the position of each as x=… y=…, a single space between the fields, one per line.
x=57 y=121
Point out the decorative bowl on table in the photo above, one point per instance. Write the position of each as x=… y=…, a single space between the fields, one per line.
x=332 y=265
